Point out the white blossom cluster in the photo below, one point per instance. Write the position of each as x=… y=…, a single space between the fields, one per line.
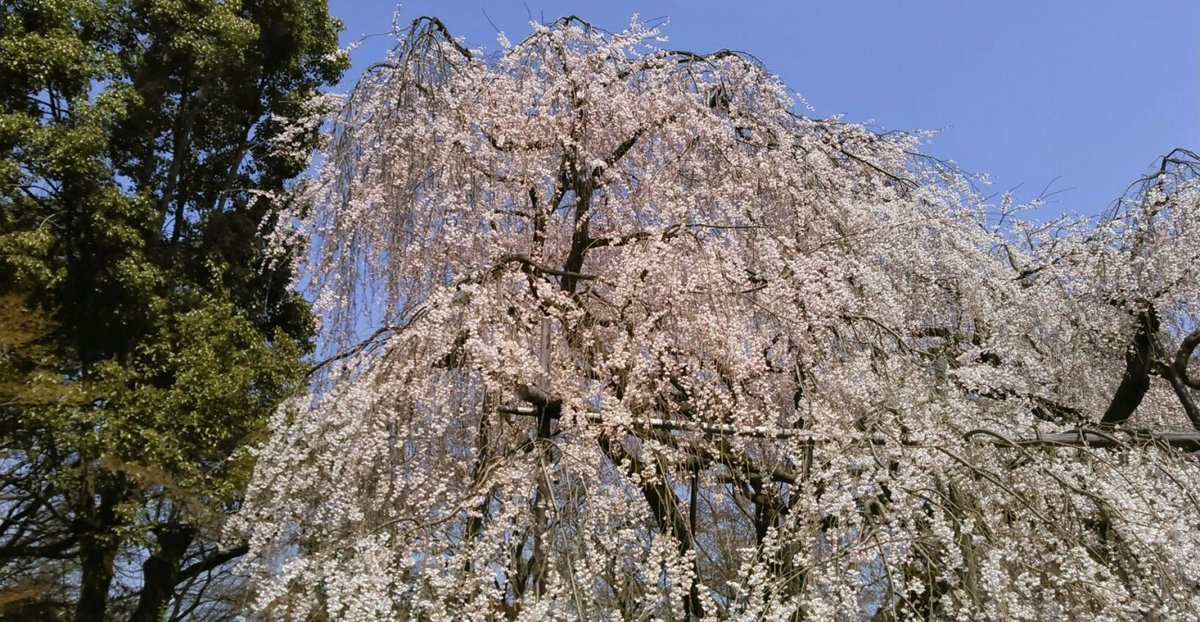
x=658 y=348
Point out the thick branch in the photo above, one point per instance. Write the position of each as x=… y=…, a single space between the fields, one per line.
x=62 y=549
x=620 y=151
x=1184 y=355
x=534 y=266
x=579 y=239
x=213 y=561
x=160 y=571
x=639 y=236
x=1182 y=392
x=1136 y=380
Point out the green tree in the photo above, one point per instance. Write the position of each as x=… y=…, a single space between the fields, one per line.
x=145 y=146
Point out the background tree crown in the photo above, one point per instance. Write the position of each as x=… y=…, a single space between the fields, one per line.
x=144 y=147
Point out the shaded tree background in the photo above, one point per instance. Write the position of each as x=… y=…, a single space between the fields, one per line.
x=145 y=145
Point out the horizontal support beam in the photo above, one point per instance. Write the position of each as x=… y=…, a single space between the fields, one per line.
x=548 y=405
x=1101 y=439
x=670 y=424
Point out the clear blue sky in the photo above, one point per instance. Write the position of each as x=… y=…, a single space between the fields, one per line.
x=1088 y=92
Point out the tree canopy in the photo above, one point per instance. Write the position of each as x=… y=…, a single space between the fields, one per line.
x=144 y=146
x=653 y=346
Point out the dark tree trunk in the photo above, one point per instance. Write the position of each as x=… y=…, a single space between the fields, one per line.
x=160 y=572
x=97 y=553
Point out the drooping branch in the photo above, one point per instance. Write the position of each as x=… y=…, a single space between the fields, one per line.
x=664 y=505
x=425 y=27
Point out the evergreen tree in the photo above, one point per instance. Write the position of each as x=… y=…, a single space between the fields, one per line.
x=145 y=146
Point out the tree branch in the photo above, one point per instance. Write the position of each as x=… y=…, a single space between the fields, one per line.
x=1184 y=355
x=213 y=561
x=542 y=269
x=1136 y=380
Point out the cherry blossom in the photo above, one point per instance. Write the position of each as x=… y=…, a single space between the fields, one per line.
x=654 y=347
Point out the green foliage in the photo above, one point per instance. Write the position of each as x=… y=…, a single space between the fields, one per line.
x=226 y=380
x=144 y=335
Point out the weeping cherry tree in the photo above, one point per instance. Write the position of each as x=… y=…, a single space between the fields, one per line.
x=650 y=345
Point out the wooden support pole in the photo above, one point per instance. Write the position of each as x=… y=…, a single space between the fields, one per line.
x=1099 y=439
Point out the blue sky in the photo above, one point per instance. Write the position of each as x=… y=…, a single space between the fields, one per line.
x=1078 y=96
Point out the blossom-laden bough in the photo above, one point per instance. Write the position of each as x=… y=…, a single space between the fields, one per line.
x=656 y=347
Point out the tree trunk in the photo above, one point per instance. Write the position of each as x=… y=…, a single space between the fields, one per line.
x=97 y=558
x=96 y=527
x=97 y=552
x=160 y=572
